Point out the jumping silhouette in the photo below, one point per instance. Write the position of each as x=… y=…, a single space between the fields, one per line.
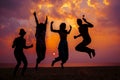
x=40 y=40
x=63 y=45
x=19 y=44
x=83 y=30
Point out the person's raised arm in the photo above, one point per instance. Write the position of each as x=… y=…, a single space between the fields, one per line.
x=88 y=23
x=51 y=27
x=46 y=20
x=36 y=20
x=70 y=29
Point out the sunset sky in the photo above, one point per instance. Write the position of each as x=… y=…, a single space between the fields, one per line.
x=104 y=14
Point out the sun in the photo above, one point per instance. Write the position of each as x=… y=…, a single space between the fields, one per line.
x=54 y=54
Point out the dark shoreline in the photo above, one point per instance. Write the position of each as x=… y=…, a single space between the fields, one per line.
x=31 y=65
x=68 y=73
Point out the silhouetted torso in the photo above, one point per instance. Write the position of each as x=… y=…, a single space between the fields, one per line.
x=63 y=45
x=63 y=35
x=83 y=29
x=40 y=31
x=19 y=44
x=40 y=34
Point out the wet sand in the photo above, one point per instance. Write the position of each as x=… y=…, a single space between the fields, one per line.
x=68 y=73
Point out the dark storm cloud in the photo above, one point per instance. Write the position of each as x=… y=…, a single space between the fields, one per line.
x=8 y=27
x=10 y=12
x=9 y=4
x=15 y=8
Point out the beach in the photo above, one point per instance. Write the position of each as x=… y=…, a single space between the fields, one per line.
x=68 y=73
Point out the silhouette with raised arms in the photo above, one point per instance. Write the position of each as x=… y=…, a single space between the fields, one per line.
x=40 y=40
x=19 y=44
x=83 y=30
x=63 y=45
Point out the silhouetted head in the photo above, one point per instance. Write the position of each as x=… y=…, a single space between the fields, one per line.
x=62 y=26
x=22 y=32
x=79 y=21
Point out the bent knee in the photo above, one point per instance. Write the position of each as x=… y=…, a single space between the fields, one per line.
x=79 y=48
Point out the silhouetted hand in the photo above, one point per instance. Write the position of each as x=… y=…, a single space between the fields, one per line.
x=34 y=13
x=83 y=16
x=52 y=22
x=84 y=19
x=75 y=37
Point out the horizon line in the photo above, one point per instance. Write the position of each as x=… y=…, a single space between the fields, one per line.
x=31 y=65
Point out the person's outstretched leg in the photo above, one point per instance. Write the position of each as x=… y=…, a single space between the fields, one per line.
x=25 y=65
x=84 y=49
x=62 y=64
x=39 y=59
x=18 y=59
x=38 y=55
x=37 y=62
x=64 y=60
x=88 y=51
x=93 y=52
x=55 y=60
x=16 y=68
x=41 y=50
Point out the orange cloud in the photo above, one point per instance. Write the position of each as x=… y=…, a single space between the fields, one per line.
x=106 y=2
x=97 y=4
x=91 y=4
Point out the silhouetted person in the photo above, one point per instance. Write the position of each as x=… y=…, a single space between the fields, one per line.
x=40 y=40
x=19 y=44
x=63 y=45
x=83 y=30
